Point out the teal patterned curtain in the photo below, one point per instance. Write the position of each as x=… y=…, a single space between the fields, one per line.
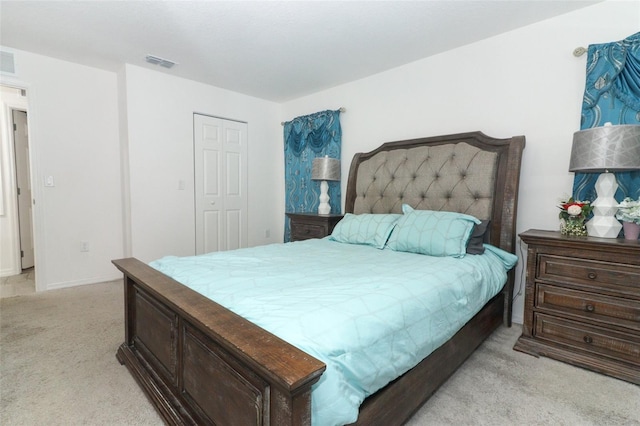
x=611 y=94
x=306 y=138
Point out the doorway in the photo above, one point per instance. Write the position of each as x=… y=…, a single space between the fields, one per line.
x=220 y=165
x=16 y=201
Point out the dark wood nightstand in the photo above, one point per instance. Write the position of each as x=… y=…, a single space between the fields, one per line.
x=312 y=225
x=582 y=302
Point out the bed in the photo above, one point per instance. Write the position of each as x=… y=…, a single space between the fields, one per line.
x=201 y=363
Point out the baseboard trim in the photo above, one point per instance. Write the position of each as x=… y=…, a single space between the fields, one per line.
x=10 y=272
x=93 y=280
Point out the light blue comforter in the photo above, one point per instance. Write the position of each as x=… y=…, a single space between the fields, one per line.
x=370 y=315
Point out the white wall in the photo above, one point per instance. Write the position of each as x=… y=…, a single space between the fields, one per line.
x=524 y=82
x=73 y=123
x=160 y=140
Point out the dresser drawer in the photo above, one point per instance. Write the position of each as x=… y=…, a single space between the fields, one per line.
x=595 y=307
x=305 y=231
x=618 y=279
x=593 y=339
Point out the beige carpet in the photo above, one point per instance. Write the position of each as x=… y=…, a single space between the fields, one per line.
x=18 y=285
x=58 y=367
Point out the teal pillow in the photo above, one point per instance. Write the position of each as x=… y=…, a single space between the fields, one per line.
x=366 y=229
x=436 y=233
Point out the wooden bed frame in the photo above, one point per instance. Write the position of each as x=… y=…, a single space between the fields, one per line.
x=200 y=363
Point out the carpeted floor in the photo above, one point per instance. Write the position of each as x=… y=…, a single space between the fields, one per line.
x=58 y=367
x=18 y=285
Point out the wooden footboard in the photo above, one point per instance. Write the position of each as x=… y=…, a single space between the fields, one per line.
x=200 y=363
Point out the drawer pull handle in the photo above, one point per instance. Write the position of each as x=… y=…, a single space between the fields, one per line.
x=587 y=339
x=592 y=275
x=590 y=308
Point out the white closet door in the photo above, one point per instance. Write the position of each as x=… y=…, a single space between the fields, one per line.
x=220 y=150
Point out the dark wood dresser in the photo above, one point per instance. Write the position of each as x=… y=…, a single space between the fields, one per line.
x=312 y=225
x=582 y=302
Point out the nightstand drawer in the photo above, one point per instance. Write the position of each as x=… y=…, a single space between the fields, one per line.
x=595 y=307
x=306 y=231
x=305 y=226
x=619 y=278
x=597 y=340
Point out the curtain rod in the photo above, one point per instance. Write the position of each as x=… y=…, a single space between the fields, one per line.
x=579 y=51
x=342 y=109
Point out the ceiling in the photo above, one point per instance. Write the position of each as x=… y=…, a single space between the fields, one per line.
x=275 y=50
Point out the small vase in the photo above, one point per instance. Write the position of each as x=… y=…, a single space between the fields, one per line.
x=573 y=227
x=631 y=230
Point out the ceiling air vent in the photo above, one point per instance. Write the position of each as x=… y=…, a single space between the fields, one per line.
x=7 y=63
x=155 y=60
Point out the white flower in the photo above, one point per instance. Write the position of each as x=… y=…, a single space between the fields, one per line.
x=574 y=210
x=629 y=210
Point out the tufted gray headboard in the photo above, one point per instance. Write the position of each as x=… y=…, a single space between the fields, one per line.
x=469 y=173
x=453 y=177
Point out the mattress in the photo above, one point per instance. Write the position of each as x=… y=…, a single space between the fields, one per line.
x=369 y=314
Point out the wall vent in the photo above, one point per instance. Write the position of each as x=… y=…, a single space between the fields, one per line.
x=156 y=60
x=7 y=63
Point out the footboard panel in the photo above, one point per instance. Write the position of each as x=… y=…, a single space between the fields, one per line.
x=208 y=371
x=199 y=363
x=155 y=335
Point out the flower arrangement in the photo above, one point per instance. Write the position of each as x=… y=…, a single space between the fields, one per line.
x=575 y=210
x=573 y=214
x=629 y=210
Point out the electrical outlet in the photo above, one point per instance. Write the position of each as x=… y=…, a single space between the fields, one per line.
x=84 y=246
x=267 y=233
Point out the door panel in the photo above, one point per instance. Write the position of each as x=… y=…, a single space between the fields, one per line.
x=211 y=169
x=234 y=232
x=235 y=198
x=211 y=231
x=233 y=175
x=21 y=145
x=211 y=131
x=207 y=167
x=220 y=149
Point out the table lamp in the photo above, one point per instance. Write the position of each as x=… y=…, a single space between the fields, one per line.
x=603 y=150
x=324 y=169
